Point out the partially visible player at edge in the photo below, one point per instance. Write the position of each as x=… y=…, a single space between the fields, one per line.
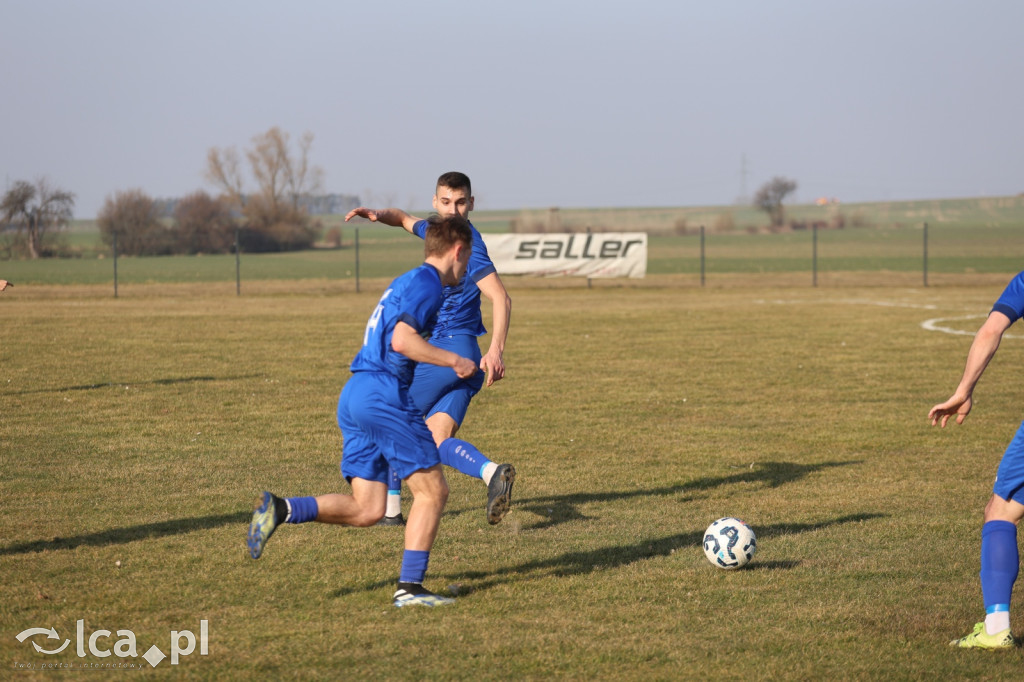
x=1000 y=558
x=443 y=397
x=381 y=426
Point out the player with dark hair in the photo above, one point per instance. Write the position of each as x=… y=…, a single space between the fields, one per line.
x=1000 y=558
x=382 y=428
x=443 y=397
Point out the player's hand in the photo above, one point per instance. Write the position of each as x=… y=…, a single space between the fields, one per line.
x=464 y=368
x=4 y=284
x=957 y=405
x=362 y=212
x=493 y=366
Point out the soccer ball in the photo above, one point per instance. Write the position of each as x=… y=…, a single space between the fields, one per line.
x=729 y=543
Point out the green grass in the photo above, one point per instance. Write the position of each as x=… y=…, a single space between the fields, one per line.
x=140 y=429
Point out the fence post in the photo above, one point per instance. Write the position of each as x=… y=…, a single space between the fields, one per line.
x=238 y=265
x=357 y=260
x=702 y=255
x=926 y=254
x=115 y=263
x=814 y=256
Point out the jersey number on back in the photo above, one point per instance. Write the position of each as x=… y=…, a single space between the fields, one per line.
x=374 y=320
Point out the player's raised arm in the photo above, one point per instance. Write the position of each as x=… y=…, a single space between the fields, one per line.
x=395 y=217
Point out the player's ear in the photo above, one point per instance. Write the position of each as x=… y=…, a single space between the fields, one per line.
x=469 y=204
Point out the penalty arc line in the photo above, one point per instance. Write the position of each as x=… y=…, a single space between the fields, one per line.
x=936 y=325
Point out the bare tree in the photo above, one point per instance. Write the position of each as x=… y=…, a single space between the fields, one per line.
x=769 y=198
x=203 y=224
x=35 y=210
x=133 y=216
x=282 y=178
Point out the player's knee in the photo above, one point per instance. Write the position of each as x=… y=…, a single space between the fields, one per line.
x=368 y=517
x=435 y=492
x=999 y=509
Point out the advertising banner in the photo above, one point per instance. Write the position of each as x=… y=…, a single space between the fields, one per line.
x=604 y=254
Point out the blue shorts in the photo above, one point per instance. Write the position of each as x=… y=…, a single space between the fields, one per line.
x=438 y=389
x=381 y=426
x=1010 y=477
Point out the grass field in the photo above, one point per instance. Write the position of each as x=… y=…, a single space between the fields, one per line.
x=140 y=429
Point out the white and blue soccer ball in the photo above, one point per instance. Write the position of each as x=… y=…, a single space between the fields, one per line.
x=729 y=543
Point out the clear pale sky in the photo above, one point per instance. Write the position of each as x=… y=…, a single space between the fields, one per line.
x=567 y=103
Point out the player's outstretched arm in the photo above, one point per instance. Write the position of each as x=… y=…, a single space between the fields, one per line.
x=983 y=348
x=395 y=217
x=408 y=342
x=493 y=362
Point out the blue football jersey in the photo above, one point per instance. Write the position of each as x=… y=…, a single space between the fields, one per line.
x=1011 y=302
x=460 y=313
x=414 y=298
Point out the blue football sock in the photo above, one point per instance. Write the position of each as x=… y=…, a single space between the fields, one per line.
x=414 y=566
x=463 y=456
x=303 y=509
x=1000 y=562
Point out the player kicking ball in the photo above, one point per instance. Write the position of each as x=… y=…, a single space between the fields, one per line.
x=1000 y=558
x=382 y=427
x=442 y=397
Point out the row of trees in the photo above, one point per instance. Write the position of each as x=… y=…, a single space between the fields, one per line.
x=266 y=213
x=200 y=224
x=268 y=218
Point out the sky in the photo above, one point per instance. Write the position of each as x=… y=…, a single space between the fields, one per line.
x=569 y=103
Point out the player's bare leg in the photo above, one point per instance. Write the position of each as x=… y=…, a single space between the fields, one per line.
x=430 y=494
x=364 y=507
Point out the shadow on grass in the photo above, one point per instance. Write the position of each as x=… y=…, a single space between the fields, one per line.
x=121 y=536
x=119 y=384
x=582 y=563
x=556 y=509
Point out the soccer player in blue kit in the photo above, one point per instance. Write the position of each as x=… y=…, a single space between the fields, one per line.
x=381 y=426
x=441 y=396
x=1000 y=558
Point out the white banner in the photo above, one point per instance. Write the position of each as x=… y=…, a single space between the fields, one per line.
x=603 y=254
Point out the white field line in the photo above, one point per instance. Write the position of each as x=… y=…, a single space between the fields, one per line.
x=935 y=324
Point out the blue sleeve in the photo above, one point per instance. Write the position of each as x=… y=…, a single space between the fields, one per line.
x=420 y=229
x=480 y=264
x=1011 y=302
x=421 y=301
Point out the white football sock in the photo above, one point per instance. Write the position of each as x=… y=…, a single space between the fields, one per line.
x=394 y=505
x=997 y=622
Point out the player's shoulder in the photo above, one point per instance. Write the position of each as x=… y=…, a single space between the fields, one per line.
x=1015 y=286
x=1011 y=301
x=424 y=272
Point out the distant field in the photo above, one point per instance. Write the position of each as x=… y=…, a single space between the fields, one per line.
x=885 y=244
x=135 y=434
x=852 y=255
